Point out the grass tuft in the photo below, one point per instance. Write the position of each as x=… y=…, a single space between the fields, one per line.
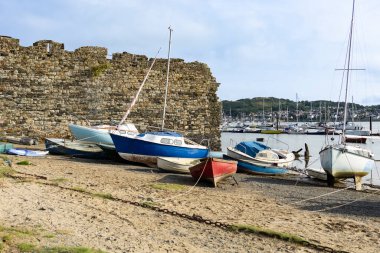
x=269 y=233
x=79 y=189
x=104 y=195
x=59 y=180
x=26 y=247
x=149 y=204
x=24 y=163
x=166 y=186
x=69 y=250
x=49 y=236
x=6 y=171
x=6 y=238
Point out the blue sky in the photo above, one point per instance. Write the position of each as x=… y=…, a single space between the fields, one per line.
x=254 y=47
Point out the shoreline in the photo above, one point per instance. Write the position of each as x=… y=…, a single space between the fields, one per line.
x=101 y=223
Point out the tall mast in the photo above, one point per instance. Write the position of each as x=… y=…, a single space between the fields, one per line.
x=287 y=115
x=297 y=108
x=263 y=112
x=167 y=79
x=353 y=112
x=311 y=110
x=348 y=71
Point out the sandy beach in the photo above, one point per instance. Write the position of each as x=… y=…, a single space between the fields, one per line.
x=72 y=202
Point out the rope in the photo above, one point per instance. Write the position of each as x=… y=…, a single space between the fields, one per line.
x=191 y=188
x=326 y=194
x=348 y=203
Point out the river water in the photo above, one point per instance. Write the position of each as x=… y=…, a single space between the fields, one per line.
x=294 y=142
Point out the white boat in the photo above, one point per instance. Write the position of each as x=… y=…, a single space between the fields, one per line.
x=176 y=164
x=317 y=173
x=27 y=152
x=342 y=160
x=261 y=154
x=100 y=133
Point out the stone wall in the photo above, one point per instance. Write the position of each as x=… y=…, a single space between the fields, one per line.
x=44 y=87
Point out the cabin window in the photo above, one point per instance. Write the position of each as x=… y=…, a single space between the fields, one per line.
x=166 y=141
x=274 y=156
x=178 y=142
x=122 y=131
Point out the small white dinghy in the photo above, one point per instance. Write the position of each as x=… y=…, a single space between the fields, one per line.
x=317 y=173
x=175 y=164
x=27 y=152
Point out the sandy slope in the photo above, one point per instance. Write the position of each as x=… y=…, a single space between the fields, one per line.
x=78 y=219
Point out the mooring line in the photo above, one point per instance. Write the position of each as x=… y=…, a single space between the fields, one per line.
x=322 y=195
x=345 y=204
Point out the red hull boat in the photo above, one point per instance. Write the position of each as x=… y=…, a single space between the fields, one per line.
x=356 y=139
x=213 y=169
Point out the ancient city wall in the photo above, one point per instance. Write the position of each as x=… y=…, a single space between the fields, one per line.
x=44 y=87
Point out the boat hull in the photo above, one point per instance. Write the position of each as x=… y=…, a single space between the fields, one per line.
x=260 y=169
x=175 y=164
x=100 y=134
x=87 y=134
x=110 y=152
x=318 y=174
x=355 y=139
x=238 y=155
x=213 y=170
x=4 y=147
x=341 y=163
x=27 y=152
x=73 y=148
x=141 y=151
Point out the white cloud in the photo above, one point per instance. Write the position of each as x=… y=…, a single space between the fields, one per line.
x=286 y=46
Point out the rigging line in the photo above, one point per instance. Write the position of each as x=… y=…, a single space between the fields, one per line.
x=139 y=90
x=326 y=194
x=345 y=204
x=191 y=188
x=304 y=171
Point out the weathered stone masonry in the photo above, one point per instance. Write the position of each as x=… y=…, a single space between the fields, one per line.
x=44 y=87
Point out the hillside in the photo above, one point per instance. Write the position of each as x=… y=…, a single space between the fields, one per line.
x=254 y=107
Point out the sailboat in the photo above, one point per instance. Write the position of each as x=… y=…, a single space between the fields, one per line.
x=342 y=160
x=296 y=129
x=147 y=147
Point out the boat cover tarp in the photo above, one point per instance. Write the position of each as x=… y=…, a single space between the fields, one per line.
x=250 y=148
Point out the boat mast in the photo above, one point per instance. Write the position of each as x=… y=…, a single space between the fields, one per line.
x=353 y=112
x=167 y=79
x=348 y=71
x=297 y=108
x=263 y=113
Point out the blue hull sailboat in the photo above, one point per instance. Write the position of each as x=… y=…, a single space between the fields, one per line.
x=100 y=133
x=146 y=147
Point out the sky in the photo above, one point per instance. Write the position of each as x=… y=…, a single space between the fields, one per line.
x=254 y=48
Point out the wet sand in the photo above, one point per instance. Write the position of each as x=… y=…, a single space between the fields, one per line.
x=78 y=219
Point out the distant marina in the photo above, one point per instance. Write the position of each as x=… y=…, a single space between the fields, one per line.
x=294 y=142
